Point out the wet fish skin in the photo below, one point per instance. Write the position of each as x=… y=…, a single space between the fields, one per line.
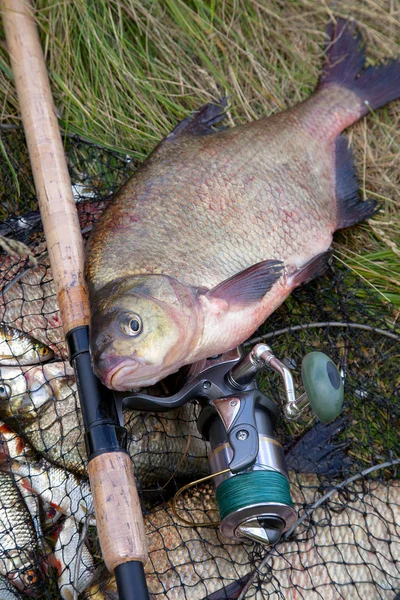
x=43 y=514
x=17 y=348
x=41 y=403
x=19 y=550
x=66 y=552
x=66 y=492
x=216 y=229
x=31 y=306
x=189 y=562
x=201 y=563
x=8 y=591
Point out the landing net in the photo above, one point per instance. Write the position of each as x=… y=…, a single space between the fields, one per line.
x=344 y=480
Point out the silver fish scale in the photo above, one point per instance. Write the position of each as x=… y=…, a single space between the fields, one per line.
x=204 y=208
x=341 y=561
x=45 y=407
x=18 y=543
x=8 y=591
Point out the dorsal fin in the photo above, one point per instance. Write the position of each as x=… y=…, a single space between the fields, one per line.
x=203 y=121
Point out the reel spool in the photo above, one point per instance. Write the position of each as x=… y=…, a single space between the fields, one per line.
x=239 y=421
x=254 y=495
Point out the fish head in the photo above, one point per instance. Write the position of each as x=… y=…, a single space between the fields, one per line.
x=141 y=330
x=23 y=391
x=23 y=571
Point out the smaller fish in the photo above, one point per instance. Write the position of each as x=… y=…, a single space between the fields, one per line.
x=19 y=550
x=63 y=491
x=43 y=515
x=28 y=300
x=18 y=348
x=41 y=402
x=66 y=552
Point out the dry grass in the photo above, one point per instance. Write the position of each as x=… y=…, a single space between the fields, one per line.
x=125 y=71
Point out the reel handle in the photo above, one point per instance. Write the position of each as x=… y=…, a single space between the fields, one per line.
x=321 y=379
x=323 y=385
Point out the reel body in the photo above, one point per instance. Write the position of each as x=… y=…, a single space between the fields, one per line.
x=253 y=493
x=246 y=459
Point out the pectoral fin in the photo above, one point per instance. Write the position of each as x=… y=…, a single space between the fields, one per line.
x=246 y=287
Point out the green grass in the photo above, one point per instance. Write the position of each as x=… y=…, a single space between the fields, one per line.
x=124 y=72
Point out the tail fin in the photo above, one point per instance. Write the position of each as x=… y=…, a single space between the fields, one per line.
x=375 y=86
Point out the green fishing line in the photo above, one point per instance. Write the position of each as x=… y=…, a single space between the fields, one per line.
x=256 y=487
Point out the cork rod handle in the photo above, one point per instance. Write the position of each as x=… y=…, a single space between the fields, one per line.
x=50 y=172
x=112 y=482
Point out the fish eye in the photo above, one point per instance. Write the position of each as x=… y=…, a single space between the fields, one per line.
x=29 y=578
x=5 y=391
x=131 y=325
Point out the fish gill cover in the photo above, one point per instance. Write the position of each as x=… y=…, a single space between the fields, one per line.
x=347 y=542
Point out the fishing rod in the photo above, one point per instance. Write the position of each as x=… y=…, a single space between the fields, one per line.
x=117 y=508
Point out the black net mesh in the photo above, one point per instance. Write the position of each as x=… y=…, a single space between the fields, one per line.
x=343 y=477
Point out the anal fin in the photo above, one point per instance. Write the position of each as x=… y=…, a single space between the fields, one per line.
x=313 y=268
x=350 y=208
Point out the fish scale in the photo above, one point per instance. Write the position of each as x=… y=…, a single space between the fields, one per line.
x=19 y=550
x=214 y=250
x=342 y=561
x=30 y=303
x=41 y=403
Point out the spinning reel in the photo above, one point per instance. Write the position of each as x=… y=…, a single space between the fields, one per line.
x=251 y=479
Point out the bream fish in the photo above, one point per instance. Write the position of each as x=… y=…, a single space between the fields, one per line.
x=43 y=514
x=356 y=547
x=66 y=553
x=346 y=549
x=66 y=492
x=216 y=228
x=17 y=348
x=41 y=403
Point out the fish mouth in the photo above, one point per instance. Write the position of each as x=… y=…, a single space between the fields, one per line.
x=121 y=374
x=131 y=374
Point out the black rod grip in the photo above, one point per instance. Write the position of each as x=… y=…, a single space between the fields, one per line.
x=131 y=581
